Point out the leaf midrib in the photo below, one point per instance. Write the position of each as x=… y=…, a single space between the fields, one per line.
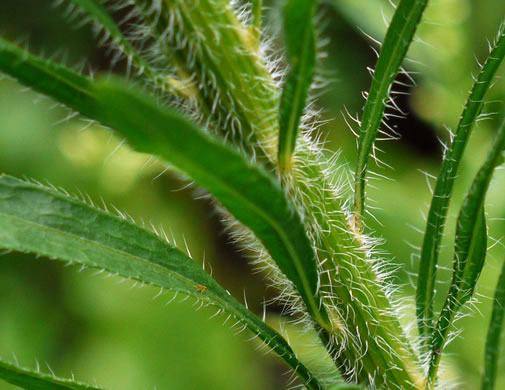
x=103 y=246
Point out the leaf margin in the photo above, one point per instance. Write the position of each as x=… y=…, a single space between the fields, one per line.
x=200 y=285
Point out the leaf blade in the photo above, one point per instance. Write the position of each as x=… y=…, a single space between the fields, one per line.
x=443 y=189
x=493 y=339
x=399 y=35
x=301 y=53
x=469 y=250
x=32 y=380
x=44 y=76
x=39 y=220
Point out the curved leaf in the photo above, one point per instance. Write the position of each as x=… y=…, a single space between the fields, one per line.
x=301 y=53
x=443 y=189
x=494 y=334
x=33 y=380
x=56 y=81
x=40 y=220
x=398 y=38
x=470 y=249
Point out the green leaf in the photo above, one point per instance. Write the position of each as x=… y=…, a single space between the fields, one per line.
x=443 y=189
x=494 y=335
x=33 y=380
x=40 y=220
x=301 y=53
x=470 y=250
x=398 y=38
x=56 y=81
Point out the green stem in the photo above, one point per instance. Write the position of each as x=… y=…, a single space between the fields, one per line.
x=372 y=347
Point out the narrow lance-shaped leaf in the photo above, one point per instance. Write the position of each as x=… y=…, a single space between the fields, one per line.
x=469 y=252
x=242 y=187
x=398 y=38
x=301 y=53
x=34 y=380
x=59 y=82
x=248 y=192
x=37 y=219
x=443 y=189
x=494 y=335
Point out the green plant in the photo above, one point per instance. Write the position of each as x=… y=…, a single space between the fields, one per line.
x=248 y=143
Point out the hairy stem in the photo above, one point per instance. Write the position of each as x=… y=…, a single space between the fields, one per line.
x=364 y=336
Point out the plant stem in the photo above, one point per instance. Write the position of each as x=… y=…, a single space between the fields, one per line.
x=364 y=335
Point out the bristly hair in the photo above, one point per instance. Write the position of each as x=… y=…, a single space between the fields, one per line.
x=231 y=84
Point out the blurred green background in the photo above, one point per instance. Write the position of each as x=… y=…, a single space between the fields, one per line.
x=106 y=332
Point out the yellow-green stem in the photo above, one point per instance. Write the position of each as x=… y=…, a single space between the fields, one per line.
x=363 y=321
